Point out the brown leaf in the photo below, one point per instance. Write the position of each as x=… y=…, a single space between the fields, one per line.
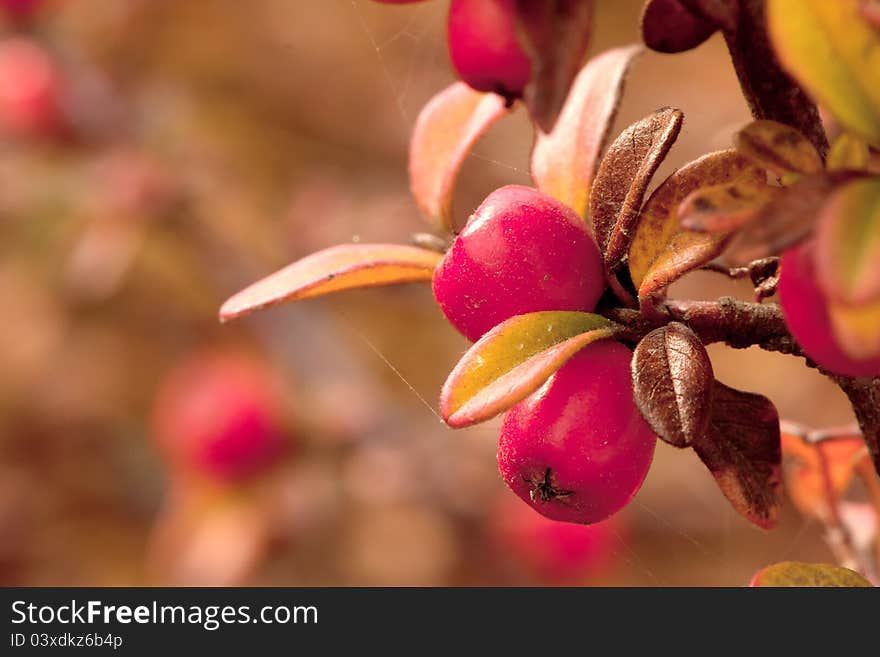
x=445 y=132
x=565 y=160
x=742 y=451
x=662 y=250
x=672 y=383
x=793 y=573
x=343 y=267
x=786 y=219
x=778 y=148
x=557 y=33
x=624 y=176
x=725 y=208
x=670 y=26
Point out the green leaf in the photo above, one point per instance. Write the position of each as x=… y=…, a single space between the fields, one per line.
x=513 y=360
x=848 y=153
x=564 y=161
x=835 y=54
x=343 y=267
x=446 y=130
x=795 y=573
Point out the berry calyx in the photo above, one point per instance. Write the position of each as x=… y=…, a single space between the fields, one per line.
x=578 y=449
x=520 y=252
x=806 y=313
x=484 y=47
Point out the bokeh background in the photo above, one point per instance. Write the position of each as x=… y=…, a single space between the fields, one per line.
x=204 y=144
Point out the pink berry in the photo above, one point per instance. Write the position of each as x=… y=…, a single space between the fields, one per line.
x=484 y=47
x=578 y=449
x=520 y=252
x=30 y=90
x=219 y=415
x=556 y=552
x=806 y=314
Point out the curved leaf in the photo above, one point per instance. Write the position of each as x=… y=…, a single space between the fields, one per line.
x=848 y=153
x=662 y=250
x=778 y=148
x=835 y=54
x=794 y=573
x=623 y=178
x=343 y=267
x=724 y=208
x=445 y=131
x=848 y=243
x=513 y=360
x=742 y=451
x=672 y=383
x=557 y=33
x=565 y=160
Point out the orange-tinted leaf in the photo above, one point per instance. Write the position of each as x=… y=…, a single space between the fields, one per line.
x=848 y=152
x=623 y=177
x=513 y=360
x=662 y=250
x=557 y=33
x=814 y=471
x=835 y=54
x=778 y=148
x=672 y=383
x=565 y=160
x=445 y=132
x=742 y=451
x=724 y=208
x=343 y=267
x=848 y=243
x=794 y=573
x=670 y=26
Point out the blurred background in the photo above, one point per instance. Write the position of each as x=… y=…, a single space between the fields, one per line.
x=159 y=155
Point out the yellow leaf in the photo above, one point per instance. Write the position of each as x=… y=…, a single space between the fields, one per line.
x=835 y=54
x=513 y=360
x=778 y=147
x=848 y=153
x=343 y=267
x=794 y=573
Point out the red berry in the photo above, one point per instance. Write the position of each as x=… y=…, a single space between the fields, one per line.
x=554 y=551
x=219 y=415
x=806 y=314
x=484 y=48
x=578 y=449
x=520 y=252
x=30 y=90
x=20 y=9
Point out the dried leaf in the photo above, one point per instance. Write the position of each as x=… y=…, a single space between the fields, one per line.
x=445 y=132
x=848 y=243
x=725 y=208
x=343 y=267
x=835 y=54
x=742 y=451
x=513 y=360
x=662 y=250
x=564 y=161
x=624 y=176
x=557 y=33
x=848 y=153
x=778 y=148
x=672 y=383
x=670 y=26
x=794 y=573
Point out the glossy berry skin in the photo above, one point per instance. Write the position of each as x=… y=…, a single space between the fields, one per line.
x=219 y=415
x=554 y=552
x=806 y=314
x=30 y=90
x=484 y=48
x=520 y=252
x=578 y=450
